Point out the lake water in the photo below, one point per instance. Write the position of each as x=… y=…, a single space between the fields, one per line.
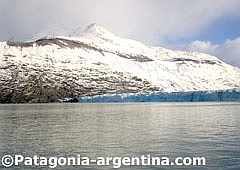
x=211 y=130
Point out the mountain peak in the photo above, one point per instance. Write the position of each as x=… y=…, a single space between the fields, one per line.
x=97 y=30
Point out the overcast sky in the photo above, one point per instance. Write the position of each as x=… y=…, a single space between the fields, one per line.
x=211 y=26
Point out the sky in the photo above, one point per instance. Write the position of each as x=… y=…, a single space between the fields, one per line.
x=208 y=26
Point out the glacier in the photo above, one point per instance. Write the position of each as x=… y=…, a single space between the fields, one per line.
x=194 y=96
x=96 y=62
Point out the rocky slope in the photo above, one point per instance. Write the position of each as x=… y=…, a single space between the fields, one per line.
x=97 y=62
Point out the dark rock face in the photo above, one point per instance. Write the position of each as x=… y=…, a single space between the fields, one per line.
x=186 y=60
x=27 y=84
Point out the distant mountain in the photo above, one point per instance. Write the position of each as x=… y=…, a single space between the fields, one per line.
x=96 y=62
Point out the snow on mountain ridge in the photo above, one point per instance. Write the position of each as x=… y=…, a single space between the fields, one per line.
x=100 y=36
x=97 y=35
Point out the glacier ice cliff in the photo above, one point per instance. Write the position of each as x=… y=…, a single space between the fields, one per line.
x=196 y=96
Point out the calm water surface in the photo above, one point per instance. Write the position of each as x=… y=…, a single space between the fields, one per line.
x=178 y=129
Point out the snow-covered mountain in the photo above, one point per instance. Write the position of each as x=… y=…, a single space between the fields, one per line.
x=97 y=62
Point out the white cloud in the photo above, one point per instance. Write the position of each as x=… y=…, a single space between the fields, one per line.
x=145 y=20
x=229 y=51
x=203 y=46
